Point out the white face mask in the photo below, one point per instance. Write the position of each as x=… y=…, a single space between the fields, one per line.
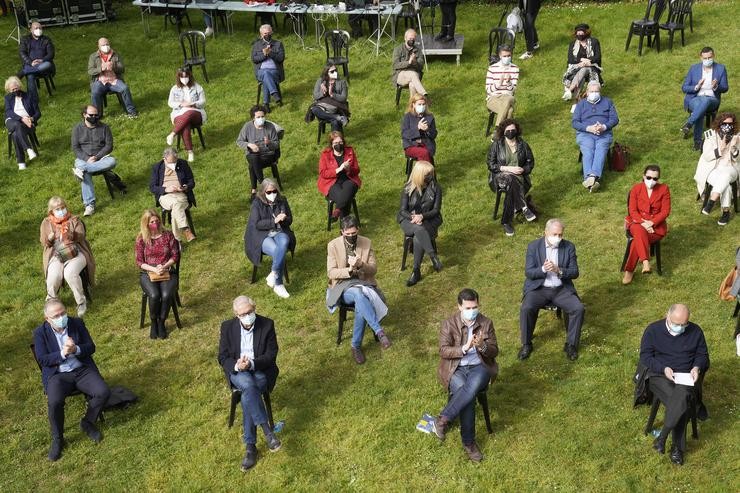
x=60 y=213
x=105 y=48
x=650 y=183
x=184 y=81
x=171 y=165
x=248 y=319
x=505 y=60
x=333 y=75
x=554 y=241
x=259 y=121
x=271 y=196
x=38 y=32
x=420 y=108
x=594 y=96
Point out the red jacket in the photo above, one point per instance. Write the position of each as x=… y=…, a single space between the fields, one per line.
x=328 y=166
x=655 y=208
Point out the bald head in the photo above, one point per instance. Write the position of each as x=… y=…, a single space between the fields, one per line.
x=679 y=314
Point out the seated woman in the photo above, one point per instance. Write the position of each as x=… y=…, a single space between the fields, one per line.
x=21 y=116
x=584 y=61
x=268 y=231
x=418 y=130
x=649 y=206
x=510 y=161
x=330 y=99
x=718 y=165
x=339 y=174
x=260 y=141
x=66 y=253
x=420 y=215
x=157 y=251
x=187 y=100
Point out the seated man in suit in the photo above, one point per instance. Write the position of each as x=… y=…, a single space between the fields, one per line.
x=172 y=184
x=37 y=53
x=703 y=86
x=550 y=268
x=669 y=346
x=105 y=66
x=468 y=348
x=268 y=56
x=408 y=64
x=64 y=350
x=248 y=352
x=351 y=267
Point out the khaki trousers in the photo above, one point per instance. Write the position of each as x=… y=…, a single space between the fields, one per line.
x=176 y=203
x=68 y=271
x=411 y=79
x=502 y=105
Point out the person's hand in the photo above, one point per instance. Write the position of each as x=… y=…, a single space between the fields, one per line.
x=92 y=159
x=323 y=88
x=699 y=84
x=695 y=373
x=69 y=346
x=550 y=267
x=253 y=147
x=266 y=140
x=36 y=62
x=416 y=218
x=171 y=189
x=358 y=263
x=648 y=225
x=27 y=121
x=51 y=237
x=715 y=83
x=161 y=269
x=242 y=363
x=517 y=170
x=668 y=374
x=280 y=217
x=351 y=260
x=585 y=62
x=266 y=50
x=423 y=125
x=412 y=58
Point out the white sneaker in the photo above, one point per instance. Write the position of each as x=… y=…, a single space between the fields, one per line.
x=89 y=210
x=589 y=182
x=280 y=291
x=79 y=174
x=81 y=309
x=21 y=166
x=567 y=94
x=526 y=55
x=191 y=156
x=595 y=186
x=170 y=139
x=31 y=154
x=209 y=31
x=271 y=279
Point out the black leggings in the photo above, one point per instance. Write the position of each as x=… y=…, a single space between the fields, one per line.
x=257 y=162
x=342 y=194
x=423 y=236
x=161 y=294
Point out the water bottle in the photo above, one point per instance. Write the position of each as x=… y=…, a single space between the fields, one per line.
x=655 y=432
x=279 y=426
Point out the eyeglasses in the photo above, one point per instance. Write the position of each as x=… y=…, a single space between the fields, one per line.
x=654 y=178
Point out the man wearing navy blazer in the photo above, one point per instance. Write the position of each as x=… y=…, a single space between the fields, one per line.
x=703 y=86
x=64 y=350
x=247 y=352
x=551 y=266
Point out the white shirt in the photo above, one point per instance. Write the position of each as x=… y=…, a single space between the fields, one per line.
x=247 y=346
x=70 y=362
x=552 y=280
x=706 y=86
x=19 y=109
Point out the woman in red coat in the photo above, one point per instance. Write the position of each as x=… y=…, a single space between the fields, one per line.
x=339 y=174
x=649 y=206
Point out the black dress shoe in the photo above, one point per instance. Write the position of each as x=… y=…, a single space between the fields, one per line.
x=571 y=352
x=676 y=455
x=415 y=277
x=436 y=263
x=659 y=445
x=91 y=430
x=250 y=459
x=524 y=352
x=55 y=451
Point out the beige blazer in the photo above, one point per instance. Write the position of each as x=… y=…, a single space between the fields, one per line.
x=337 y=268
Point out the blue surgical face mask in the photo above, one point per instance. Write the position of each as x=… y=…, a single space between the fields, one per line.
x=420 y=108
x=594 y=96
x=60 y=213
x=248 y=319
x=470 y=314
x=676 y=328
x=505 y=60
x=60 y=322
x=707 y=62
x=259 y=121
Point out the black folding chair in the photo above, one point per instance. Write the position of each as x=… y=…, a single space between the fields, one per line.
x=647 y=26
x=193 y=45
x=236 y=397
x=497 y=37
x=677 y=12
x=32 y=140
x=337 y=50
x=330 y=208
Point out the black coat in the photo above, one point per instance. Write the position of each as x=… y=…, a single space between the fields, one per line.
x=428 y=204
x=24 y=49
x=264 y=344
x=261 y=222
x=184 y=174
x=497 y=158
x=595 y=59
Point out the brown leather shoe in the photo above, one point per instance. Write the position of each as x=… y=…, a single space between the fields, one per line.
x=473 y=452
x=189 y=236
x=385 y=343
x=440 y=427
x=358 y=356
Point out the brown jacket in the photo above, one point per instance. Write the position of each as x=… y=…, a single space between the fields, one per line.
x=337 y=268
x=452 y=337
x=77 y=227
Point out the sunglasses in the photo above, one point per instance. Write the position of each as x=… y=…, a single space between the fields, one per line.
x=270 y=191
x=654 y=178
x=332 y=71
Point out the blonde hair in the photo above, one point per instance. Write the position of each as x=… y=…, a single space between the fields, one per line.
x=12 y=80
x=144 y=231
x=412 y=102
x=416 y=179
x=55 y=202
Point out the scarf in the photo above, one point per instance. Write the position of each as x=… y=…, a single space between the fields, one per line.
x=61 y=227
x=589 y=49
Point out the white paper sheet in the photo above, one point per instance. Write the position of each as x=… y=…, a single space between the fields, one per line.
x=683 y=379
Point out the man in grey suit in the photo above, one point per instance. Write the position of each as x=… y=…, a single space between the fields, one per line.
x=551 y=266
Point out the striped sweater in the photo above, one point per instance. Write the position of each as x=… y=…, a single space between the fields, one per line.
x=501 y=79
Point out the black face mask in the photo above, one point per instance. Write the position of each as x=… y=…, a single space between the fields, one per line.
x=580 y=37
x=17 y=93
x=511 y=134
x=92 y=119
x=267 y=37
x=351 y=239
x=411 y=42
x=428 y=179
x=338 y=148
x=727 y=129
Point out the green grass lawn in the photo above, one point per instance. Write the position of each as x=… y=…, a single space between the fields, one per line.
x=557 y=425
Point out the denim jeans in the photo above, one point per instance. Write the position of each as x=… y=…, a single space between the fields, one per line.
x=269 y=79
x=88 y=191
x=699 y=106
x=251 y=384
x=99 y=90
x=594 y=149
x=364 y=312
x=465 y=384
x=277 y=247
x=334 y=119
x=31 y=72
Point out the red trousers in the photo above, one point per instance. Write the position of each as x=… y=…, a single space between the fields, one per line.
x=183 y=123
x=640 y=246
x=420 y=153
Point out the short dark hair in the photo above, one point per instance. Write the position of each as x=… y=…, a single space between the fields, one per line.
x=467 y=294
x=504 y=48
x=349 y=222
x=652 y=167
x=257 y=107
x=84 y=108
x=706 y=49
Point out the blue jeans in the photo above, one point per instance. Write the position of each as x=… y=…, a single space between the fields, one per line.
x=465 y=384
x=31 y=72
x=88 y=191
x=251 y=384
x=277 y=247
x=269 y=79
x=698 y=107
x=99 y=90
x=364 y=312
x=594 y=149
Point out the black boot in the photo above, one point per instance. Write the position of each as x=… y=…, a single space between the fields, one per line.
x=116 y=181
x=415 y=277
x=162 y=329
x=154 y=329
x=436 y=263
x=708 y=208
